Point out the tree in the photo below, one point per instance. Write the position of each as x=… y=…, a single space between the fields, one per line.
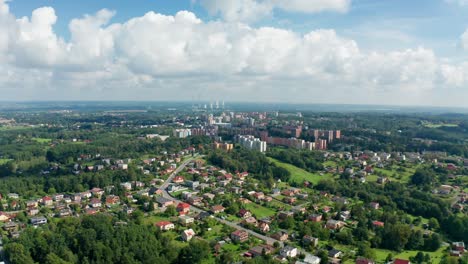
x=16 y=253
x=434 y=224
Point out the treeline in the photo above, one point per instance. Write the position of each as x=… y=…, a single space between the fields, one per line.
x=307 y=160
x=396 y=196
x=254 y=162
x=101 y=239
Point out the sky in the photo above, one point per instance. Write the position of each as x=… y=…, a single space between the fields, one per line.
x=388 y=52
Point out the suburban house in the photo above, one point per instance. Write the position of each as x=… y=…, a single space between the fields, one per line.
x=186 y=220
x=188 y=234
x=315 y=217
x=243 y=213
x=183 y=208
x=217 y=209
x=334 y=225
x=95 y=203
x=288 y=251
x=47 y=201
x=309 y=240
x=361 y=260
x=260 y=250
x=281 y=236
x=401 y=261
x=38 y=220
x=165 y=225
x=240 y=236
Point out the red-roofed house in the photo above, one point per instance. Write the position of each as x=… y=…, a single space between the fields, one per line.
x=378 y=223
x=401 y=261
x=165 y=225
x=47 y=200
x=178 y=179
x=183 y=208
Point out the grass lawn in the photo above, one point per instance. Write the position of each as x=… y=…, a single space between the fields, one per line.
x=42 y=140
x=3 y=161
x=298 y=175
x=381 y=254
x=153 y=219
x=259 y=210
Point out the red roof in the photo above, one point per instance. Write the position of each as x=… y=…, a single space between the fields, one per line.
x=401 y=261
x=183 y=205
x=163 y=223
x=47 y=198
x=378 y=223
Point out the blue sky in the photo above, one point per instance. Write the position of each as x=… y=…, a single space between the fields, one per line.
x=379 y=51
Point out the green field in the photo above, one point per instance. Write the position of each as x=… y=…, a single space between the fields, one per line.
x=3 y=161
x=42 y=140
x=259 y=211
x=298 y=175
x=381 y=254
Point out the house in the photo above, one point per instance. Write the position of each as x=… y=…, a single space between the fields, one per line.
x=334 y=225
x=165 y=225
x=361 y=260
x=250 y=221
x=216 y=209
x=94 y=203
x=195 y=200
x=281 y=236
x=259 y=195
x=335 y=253
x=284 y=214
x=401 y=261
x=112 y=200
x=261 y=249
x=458 y=246
x=240 y=236
x=32 y=211
x=188 y=234
x=97 y=192
x=243 y=213
x=345 y=215
x=289 y=200
x=31 y=203
x=183 y=208
x=10 y=226
x=126 y=185
x=264 y=227
x=178 y=179
x=378 y=224
x=47 y=201
x=288 y=251
x=186 y=220
x=209 y=196
x=164 y=202
x=374 y=205
x=315 y=217
x=38 y=220
x=311 y=259
x=309 y=240
x=91 y=211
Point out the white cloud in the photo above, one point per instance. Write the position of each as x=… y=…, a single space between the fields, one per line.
x=158 y=56
x=252 y=10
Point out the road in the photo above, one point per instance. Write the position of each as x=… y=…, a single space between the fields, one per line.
x=167 y=195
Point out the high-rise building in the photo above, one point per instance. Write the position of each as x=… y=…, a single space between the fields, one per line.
x=182 y=133
x=252 y=143
x=337 y=134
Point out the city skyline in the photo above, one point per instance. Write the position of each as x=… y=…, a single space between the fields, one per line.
x=333 y=52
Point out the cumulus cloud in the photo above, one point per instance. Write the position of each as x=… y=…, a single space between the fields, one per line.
x=159 y=56
x=251 y=10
